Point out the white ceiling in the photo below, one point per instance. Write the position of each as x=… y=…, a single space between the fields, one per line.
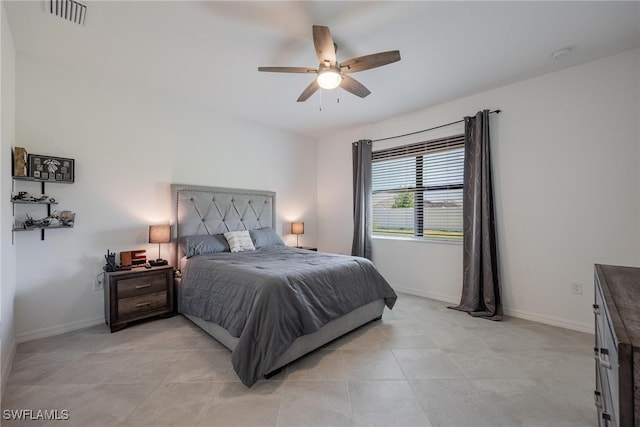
x=207 y=53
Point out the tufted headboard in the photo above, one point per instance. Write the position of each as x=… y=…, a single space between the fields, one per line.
x=215 y=210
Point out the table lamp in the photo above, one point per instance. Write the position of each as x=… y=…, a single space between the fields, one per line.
x=159 y=234
x=297 y=228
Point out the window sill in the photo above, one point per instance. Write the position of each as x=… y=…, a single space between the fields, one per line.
x=420 y=239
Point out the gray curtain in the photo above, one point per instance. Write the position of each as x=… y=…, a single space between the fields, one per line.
x=361 y=153
x=480 y=283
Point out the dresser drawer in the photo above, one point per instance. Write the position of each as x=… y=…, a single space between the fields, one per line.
x=146 y=284
x=608 y=413
x=606 y=354
x=142 y=304
x=609 y=372
x=600 y=312
x=598 y=395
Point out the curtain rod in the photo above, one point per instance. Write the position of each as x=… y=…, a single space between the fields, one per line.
x=426 y=130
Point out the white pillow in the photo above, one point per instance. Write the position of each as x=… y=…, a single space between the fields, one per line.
x=239 y=241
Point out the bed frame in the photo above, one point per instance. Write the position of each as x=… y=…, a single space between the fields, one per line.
x=213 y=210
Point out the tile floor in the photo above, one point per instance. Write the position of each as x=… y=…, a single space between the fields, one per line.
x=422 y=365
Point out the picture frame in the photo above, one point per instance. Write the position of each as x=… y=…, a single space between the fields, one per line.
x=20 y=156
x=50 y=168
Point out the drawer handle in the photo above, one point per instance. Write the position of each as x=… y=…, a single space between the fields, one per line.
x=604 y=354
x=143 y=286
x=606 y=418
x=596 y=309
x=597 y=397
x=142 y=304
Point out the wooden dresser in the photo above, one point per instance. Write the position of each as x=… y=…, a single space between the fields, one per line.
x=137 y=294
x=617 y=350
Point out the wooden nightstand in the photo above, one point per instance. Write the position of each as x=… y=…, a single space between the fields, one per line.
x=137 y=294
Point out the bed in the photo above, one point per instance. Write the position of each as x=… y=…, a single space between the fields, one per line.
x=272 y=304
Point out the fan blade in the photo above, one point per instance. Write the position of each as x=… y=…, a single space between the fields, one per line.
x=355 y=87
x=323 y=42
x=369 y=61
x=309 y=90
x=288 y=69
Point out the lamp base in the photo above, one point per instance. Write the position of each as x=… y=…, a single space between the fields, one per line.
x=158 y=262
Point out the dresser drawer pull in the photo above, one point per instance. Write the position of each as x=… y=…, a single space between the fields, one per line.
x=596 y=353
x=606 y=418
x=597 y=397
x=596 y=309
x=142 y=304
x=604 y=355
x=143 y=286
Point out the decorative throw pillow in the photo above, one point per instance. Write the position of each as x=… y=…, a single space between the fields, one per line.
x=265 y=237
x=204 y=244
x=239 y=241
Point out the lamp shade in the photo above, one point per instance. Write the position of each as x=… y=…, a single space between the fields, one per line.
x=159 y=233
x=297 y=228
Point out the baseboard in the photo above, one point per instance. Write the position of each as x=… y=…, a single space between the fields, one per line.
x=551 y=320
x=58 y=329
x=426 y=294
x=6 y=366
x=521 y=314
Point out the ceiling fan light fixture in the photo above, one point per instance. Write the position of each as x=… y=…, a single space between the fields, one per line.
x=329 y=78
x=331 y=73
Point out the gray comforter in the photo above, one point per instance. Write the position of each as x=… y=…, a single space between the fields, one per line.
x=269 y=297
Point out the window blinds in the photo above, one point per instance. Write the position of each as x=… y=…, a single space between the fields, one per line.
x=417 y=189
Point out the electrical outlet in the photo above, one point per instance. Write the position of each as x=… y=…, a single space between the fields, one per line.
x=97 y=284
x=576 y=288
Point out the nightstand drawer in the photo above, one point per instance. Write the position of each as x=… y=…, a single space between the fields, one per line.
x=147 y=284
x=137 y=294
x=142 y=304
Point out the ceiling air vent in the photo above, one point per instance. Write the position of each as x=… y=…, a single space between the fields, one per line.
x=70 y=10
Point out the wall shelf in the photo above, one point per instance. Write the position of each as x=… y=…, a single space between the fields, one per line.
x=42 y=227
x=26 y=202
x=46 y=203
x=28 y=178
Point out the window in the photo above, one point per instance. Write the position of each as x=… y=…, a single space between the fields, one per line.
x=417 y=189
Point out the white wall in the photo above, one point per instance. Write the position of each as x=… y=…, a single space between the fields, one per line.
x=7 y=250
x=129 y=146
x=566 y=152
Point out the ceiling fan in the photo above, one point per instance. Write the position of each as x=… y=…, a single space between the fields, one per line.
x=332 y=74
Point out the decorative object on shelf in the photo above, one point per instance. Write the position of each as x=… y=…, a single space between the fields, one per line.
x=52 y=220
x=133 y=258
x=19 y=161
x=67 y=218
x=24 y=197
x=48 y=168
x=159 y=234
x=111 y=265
x=297 y=228
x=35 y=223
